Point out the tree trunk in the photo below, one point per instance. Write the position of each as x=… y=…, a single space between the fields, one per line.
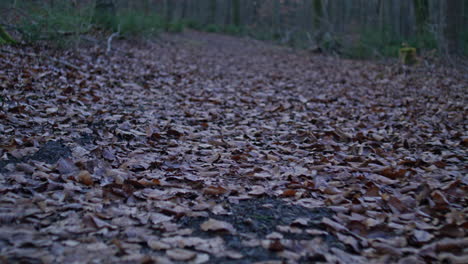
x=212 y=17
x=105 y=13
x=318 y=14
x=236 y=12
x=422 y=14
x=454 y=16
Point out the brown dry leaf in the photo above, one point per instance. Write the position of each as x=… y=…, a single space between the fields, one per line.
x=216 y=225
x=85 y=177
x=158 y=245
x=393 y=173
x=288 y=193
x=440 y=202
x=273 y=245
x=377 y=149
x=214 y=190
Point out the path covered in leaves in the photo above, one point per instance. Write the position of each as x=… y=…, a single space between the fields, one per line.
x=202 y=148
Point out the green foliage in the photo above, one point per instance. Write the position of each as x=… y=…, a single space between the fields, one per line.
x=380 y=41
x=373 y=42
x=407 y=55
x=194 y=24
x=213 y=28
x=61 y=23
x=5 y=38
x=175 y=27
x=233 y=30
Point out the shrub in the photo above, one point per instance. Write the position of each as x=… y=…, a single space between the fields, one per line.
x=194 y=24
x=60 y=23
x=233 y=30
x=175 y=27
x=213 y=28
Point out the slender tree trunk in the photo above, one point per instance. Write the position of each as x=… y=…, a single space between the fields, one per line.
x=212 y=10
x=422 y=14
x=236 y=12
x=318 y=14
x=454 y=16
x=105 y=12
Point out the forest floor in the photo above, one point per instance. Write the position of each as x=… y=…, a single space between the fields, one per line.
x=203 y=148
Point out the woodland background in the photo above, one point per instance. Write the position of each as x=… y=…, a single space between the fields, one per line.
x=350 y=28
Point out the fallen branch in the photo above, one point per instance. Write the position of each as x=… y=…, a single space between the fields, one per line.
x=109 y=40
x=66 y=63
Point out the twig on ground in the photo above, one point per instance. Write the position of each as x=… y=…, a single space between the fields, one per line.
x=66 y=63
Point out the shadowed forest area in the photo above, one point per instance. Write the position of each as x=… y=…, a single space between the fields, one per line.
x=233 y=131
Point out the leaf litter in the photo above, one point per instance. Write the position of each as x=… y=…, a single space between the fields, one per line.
x=232 y=151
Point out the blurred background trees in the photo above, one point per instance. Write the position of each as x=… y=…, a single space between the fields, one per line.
x=355 y=28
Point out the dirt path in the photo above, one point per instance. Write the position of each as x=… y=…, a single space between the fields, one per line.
x=201 y=148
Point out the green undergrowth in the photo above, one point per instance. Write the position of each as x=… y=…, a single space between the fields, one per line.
x=229 y=29
x=374 y=43
x=60 y=24
x=63 y=24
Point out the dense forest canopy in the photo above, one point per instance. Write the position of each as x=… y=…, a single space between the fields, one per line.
x=360 y=28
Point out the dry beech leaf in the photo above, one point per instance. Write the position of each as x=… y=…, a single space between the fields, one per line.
x=179 y=254
x=273 y=244
x=85 y=177
x=257 y=190
x=216 y=225
x=151 y=140
x=440 y=200
x=214 y=190
x=158 y=245
x=288 y=193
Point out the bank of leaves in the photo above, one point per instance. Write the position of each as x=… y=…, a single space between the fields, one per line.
x=204 y=148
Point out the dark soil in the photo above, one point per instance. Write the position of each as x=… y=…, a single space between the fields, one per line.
x=261 y=217
x=49 y=153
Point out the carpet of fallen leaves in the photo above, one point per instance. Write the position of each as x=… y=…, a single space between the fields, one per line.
x=203 y=148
